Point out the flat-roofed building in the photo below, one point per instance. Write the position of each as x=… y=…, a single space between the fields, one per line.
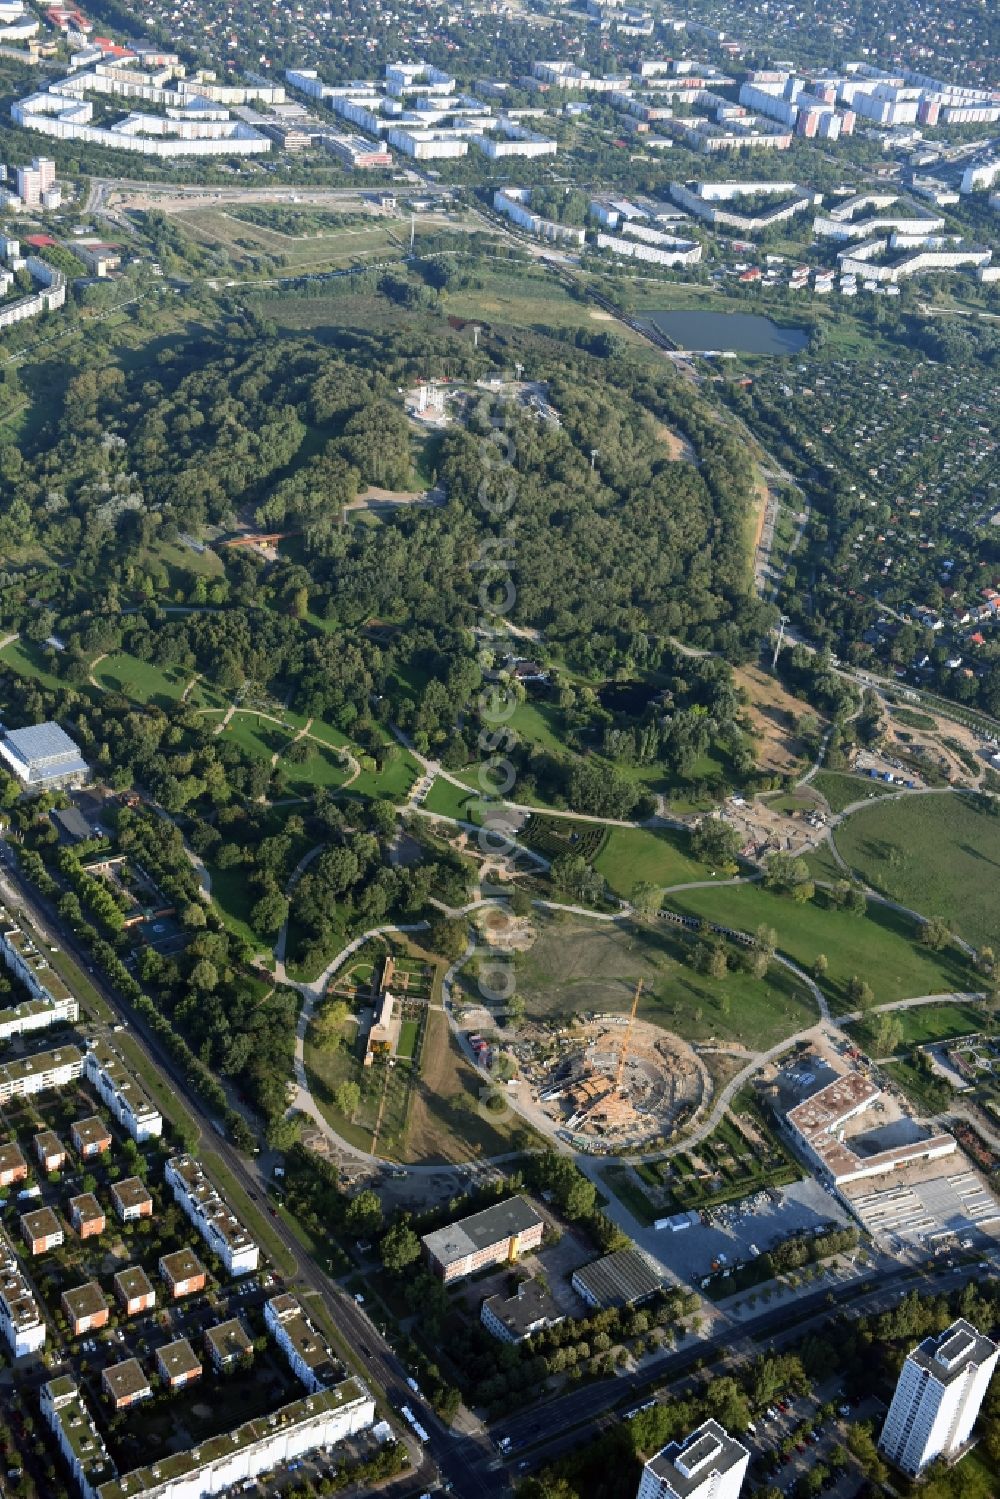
x=819 y=1123
x=940 y=1389
x=13 y=1166
x=178 y=1364
x=309 y=1357
x=226 y=1462
x=228 y=1343
x=23 y=1077
x=135 y=1290
x=43 y=758
x=49 y=1150
x=90 y=1136
x=218 y=1225
x=514 y=1318
x=132 y=1199
x=41 y=1230
x=709 y=1464
x=68 y=1417
x=126 y=1384
x=20 y=1320
x=117 y=1088
x=495 y=1236
x=624 y=1278
x=183 y=1272
x=86 y=1215
x=86 y=1308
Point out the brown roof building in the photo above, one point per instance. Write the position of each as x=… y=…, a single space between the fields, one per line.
x=87 y=1215
x=178 y=1363
x=86 y=1308
x=183 y=1272
x=126 y=1383
x=91 y=1136
x=135 y=1290
x=41 y=1230
x=50 y=1150
x=132 y=1199
x=13 y=1166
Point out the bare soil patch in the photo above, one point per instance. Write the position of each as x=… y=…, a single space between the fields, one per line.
x=773 y=713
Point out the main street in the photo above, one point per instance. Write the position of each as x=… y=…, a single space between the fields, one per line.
x=466 y=1463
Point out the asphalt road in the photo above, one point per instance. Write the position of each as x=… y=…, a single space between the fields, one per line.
x=462 y=1461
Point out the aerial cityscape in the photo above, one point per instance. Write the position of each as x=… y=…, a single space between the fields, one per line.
x=500 y=749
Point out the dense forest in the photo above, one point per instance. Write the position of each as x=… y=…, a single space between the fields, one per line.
x=612 y=552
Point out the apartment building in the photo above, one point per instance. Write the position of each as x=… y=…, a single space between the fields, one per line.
x=134 y=1290
x=128 y=1102
x=86 y=1215
x=13 y=1166
x=91 y=1137
x=41 y=1231
x=86 y=1308
x=20 y=1320
x=495 y=1236
x=177 y=1364
x=49 y=1151
x=50 y=1001
x=940 y=1389
x=35 y=180
x=126 y=1384
x=68 y=1417
x=25 y=1076
x=228 y=1344
x=307 y=1353
x=515 y=204
x=183 y=1272
x=132 y=1199
x=709 y=1464
x=214 y=1219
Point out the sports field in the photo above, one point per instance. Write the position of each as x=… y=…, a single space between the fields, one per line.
x=940 y=855
x=577 y=966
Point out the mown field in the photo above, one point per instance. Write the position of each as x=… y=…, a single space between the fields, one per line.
x=939 y=855
x=660 y=856
x=880 y=947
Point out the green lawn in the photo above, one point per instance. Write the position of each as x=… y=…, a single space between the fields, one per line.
x=234 y=899
x=408 y=1032
x=928 y=1023
x=450 y=801
x=659 y=855
x=258 y=736
x=823 y=865
x=323 y=768
x=141 y=680
x=880 y=947
x=539 y=723
x=577 y=966
x=29 y=660
x=841 y=790
x=939 y=855
x=392 y=783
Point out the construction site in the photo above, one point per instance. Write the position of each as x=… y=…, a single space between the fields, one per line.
x=624 y=1083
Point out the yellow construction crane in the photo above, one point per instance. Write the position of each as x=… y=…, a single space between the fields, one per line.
x=623 y=1054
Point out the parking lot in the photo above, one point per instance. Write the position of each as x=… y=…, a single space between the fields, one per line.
x=740 y=1230
x=803 y=1433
